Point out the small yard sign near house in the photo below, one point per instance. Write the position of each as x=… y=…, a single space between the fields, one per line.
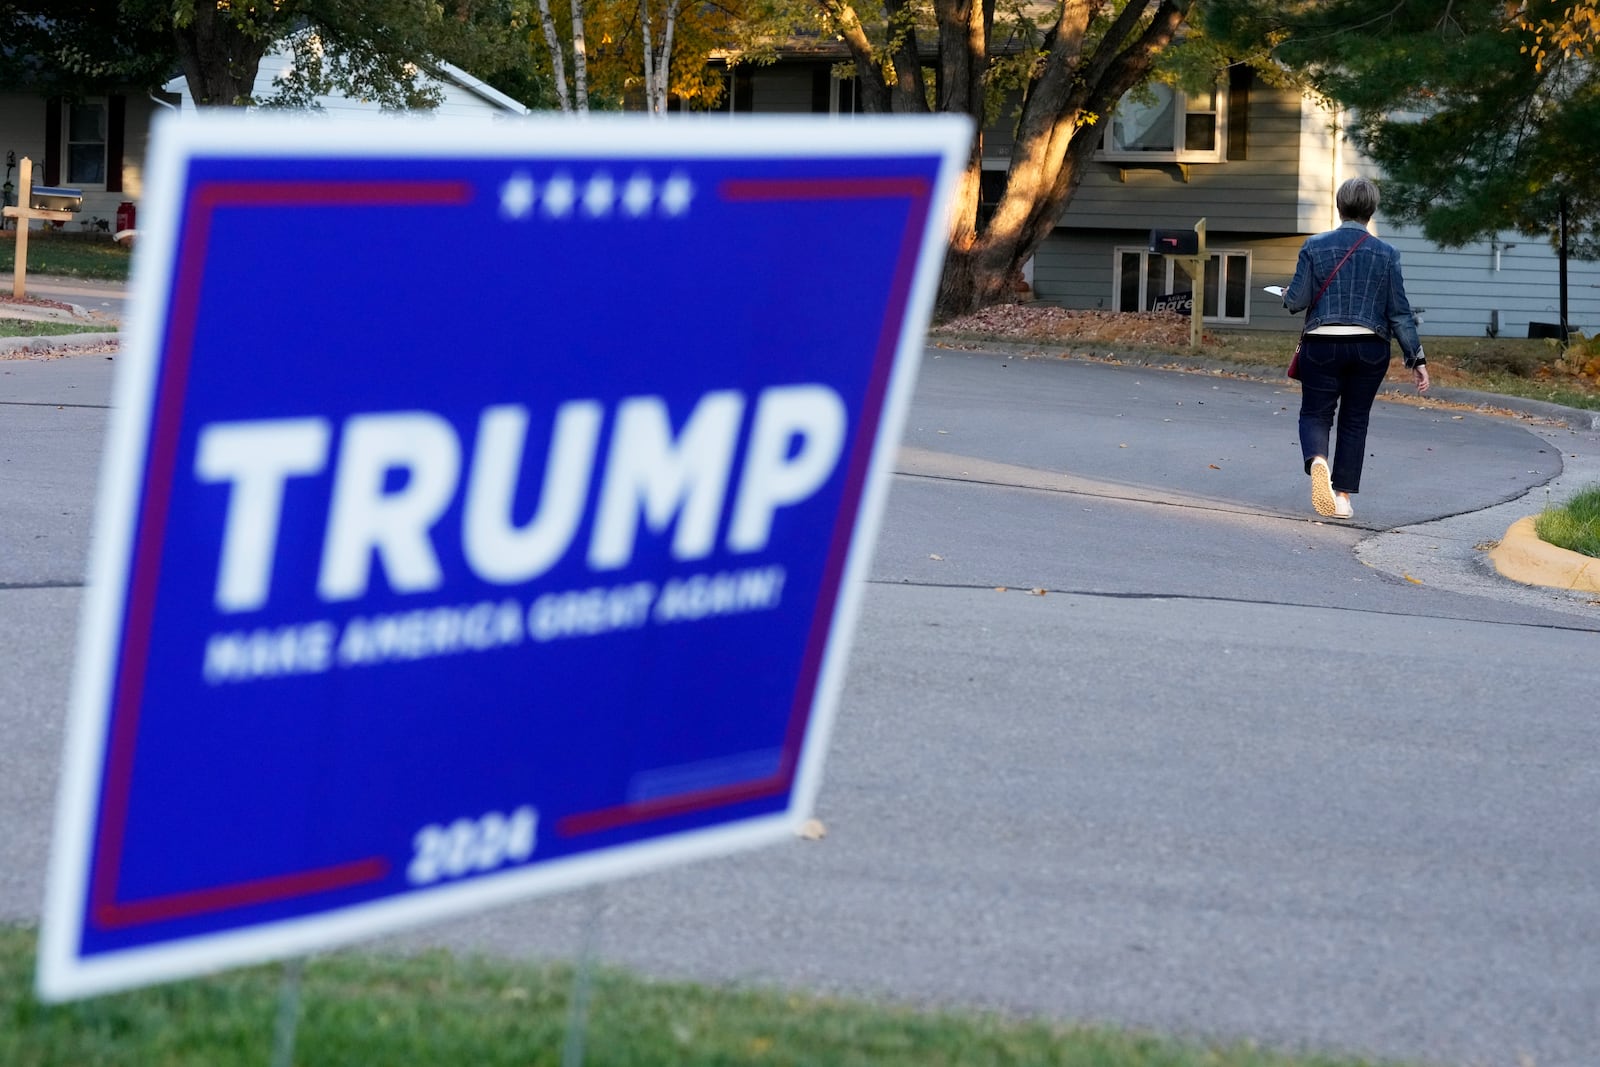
x=1182 y=303
x=485 y=514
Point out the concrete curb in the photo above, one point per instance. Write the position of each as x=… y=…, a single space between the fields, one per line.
x=1523 y=557
x=54 y=345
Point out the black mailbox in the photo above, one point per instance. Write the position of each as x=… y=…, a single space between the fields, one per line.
x=1175 y=242
x=55 y=198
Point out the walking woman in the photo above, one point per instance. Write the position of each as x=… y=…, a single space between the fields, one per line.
x=1348 y=283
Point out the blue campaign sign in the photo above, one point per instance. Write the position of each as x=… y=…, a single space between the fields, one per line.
x=484 y=513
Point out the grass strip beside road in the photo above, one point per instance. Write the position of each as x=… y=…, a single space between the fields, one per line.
x=437 y=1009
x=1575 y=525
x=29 y=328
x=1532 y=369
x=68 y=256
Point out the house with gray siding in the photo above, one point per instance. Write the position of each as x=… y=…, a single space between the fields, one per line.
x=1260 y=165
x=1262 y=173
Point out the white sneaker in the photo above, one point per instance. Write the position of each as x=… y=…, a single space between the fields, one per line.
x=1342 y=508
x=1322 y=497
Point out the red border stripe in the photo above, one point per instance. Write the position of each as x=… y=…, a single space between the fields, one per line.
x=747 y=189
x=919 y=190
x=167 y=422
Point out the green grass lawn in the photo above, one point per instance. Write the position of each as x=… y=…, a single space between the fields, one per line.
x=435 y=1009
x=29 y=328
x=68 y=255
x=1574 y=525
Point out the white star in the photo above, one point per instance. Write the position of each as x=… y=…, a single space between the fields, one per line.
x=638 y=194
x=516 y=196
x=599 y=195
x=676 y=194
x=559 y=196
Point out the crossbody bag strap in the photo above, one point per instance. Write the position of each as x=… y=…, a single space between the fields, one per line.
x=1324 y=289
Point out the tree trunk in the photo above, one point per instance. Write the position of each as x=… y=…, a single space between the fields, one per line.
x=649 y=58
x=219 y=61
x=875 y=98
x=558 y=63
x=664 y=68
x=580 y=61
x=1056 y=138
x=657 y=66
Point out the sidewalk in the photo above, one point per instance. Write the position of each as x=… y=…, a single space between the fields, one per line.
x=72 y=301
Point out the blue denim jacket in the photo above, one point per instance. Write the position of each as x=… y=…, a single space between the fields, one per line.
x=1368 y=290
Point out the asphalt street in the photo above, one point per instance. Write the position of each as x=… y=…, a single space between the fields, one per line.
x=1129 y=736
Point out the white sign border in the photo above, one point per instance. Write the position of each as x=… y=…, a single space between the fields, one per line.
x=62 y=973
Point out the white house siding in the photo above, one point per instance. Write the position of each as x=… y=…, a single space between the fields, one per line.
x=22 y=130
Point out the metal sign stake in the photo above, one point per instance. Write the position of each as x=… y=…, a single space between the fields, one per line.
x=283 y=1037
x=583 y=980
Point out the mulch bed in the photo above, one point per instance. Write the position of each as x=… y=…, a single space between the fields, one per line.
x=1047 y=324
x=7 y=298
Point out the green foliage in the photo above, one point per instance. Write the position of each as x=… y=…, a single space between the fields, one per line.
x=77 y=47
x=1477 y=127
x=737 y=31
x=1575 y=525
x=367 y=48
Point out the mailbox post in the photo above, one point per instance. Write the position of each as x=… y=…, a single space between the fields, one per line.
x=24 y=212
x=1188 y=250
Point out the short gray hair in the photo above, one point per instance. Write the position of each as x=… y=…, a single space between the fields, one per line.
x=1357 y=199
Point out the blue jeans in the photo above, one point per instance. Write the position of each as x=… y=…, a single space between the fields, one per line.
x=1340 y=375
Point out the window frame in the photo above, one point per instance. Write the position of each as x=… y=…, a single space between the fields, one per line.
x=1171 y=272
x=1180 y=153
x=68 y=143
